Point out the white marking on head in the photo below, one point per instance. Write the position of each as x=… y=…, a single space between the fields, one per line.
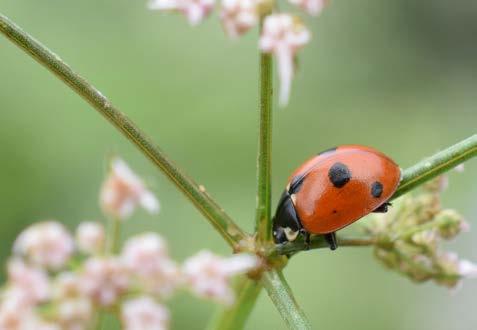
x=293 y=198
x=290 y=234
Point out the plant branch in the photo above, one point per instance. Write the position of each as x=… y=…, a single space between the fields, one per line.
x=206 y=205
x=281 y=295
x=235 y=316
x=319 y=242
x=263 y=215
x=437 y=164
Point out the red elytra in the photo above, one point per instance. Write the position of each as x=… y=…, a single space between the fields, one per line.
x=333 y=190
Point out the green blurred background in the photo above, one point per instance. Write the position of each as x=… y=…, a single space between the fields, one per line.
x=397 y=75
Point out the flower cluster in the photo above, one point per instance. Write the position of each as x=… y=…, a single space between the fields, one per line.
x=282 y=35
x=56 y=280
x=408 y=238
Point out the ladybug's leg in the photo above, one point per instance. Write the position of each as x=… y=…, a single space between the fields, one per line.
x=306 y=238
x=331 y=240
x=383 y=208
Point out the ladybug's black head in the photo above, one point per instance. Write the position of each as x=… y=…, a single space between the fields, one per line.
x=286 y=225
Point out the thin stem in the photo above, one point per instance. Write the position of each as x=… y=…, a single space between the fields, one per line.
x=235 y=316
x=319 y=242
x=114 y=236
x=282 y=296
x=437 y=164
x=206 y=205
x=414 y=176
x=263 y=214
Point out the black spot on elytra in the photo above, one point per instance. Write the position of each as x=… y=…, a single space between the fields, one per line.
x=339 y=175
x=377 y=189
x=328 y=151
x=334 y=211
x=295 y=184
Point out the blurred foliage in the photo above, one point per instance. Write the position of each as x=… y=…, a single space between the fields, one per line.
x=396 y=75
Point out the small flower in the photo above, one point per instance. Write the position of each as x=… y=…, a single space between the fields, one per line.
x=283 y=35
x=104 y=280
x=28 y=285
x=467 y=269
x=146 y=256
x=238 y=16
x=90 y=237
x=74 y=314
x=194 y=10
x=47 y=244
x=123 y=191
x=208 y=275
x=312 y=7
x=144 y=313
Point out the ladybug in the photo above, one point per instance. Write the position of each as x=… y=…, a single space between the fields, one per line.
x=332 y=190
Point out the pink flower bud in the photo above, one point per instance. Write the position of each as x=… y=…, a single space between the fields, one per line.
x=238 y=16
x=194 y=10
x=208 y=275
x=47 y=244
x=147 y=258
x=283 y=35
x=104 y=280
x=312 y=7
x=144 y=313
x=29 y=285
x=90 y=237
x=123 y=191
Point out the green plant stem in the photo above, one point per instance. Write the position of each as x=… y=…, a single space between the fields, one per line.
x=263 y=215
x=282 y=296
x=437 y=164
x=319 y=242
x=413 y=177
x=235 y=316
x=114 y=236
x=206 y=205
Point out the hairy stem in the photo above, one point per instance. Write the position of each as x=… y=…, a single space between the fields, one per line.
x=263 y=214
x=437 y=164
x=206 y=205
x=282 y=296
x=235 y=316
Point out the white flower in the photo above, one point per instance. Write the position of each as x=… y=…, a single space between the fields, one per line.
x=238 y=16
x=12 y=318
x=194 y=10
x=104 y=280
x=467 y=269
x=28 y=285
x=146 y=256
x=47 y=244
x=208 y=275
x=90 y=237
x=123 y=191
x=283 y=35
x=144 y=313
x=74 y=314
x=312 y=7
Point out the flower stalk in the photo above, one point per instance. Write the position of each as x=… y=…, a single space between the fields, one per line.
x=281 y=295
x=263 y=212
x=204 y=203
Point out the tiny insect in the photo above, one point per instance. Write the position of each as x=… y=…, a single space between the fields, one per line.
x=332 y=190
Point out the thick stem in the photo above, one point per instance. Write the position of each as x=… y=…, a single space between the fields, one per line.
x=235 y=316
x=282 y=296
x=263 y=214
x=437 y=164
x=206 y=205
